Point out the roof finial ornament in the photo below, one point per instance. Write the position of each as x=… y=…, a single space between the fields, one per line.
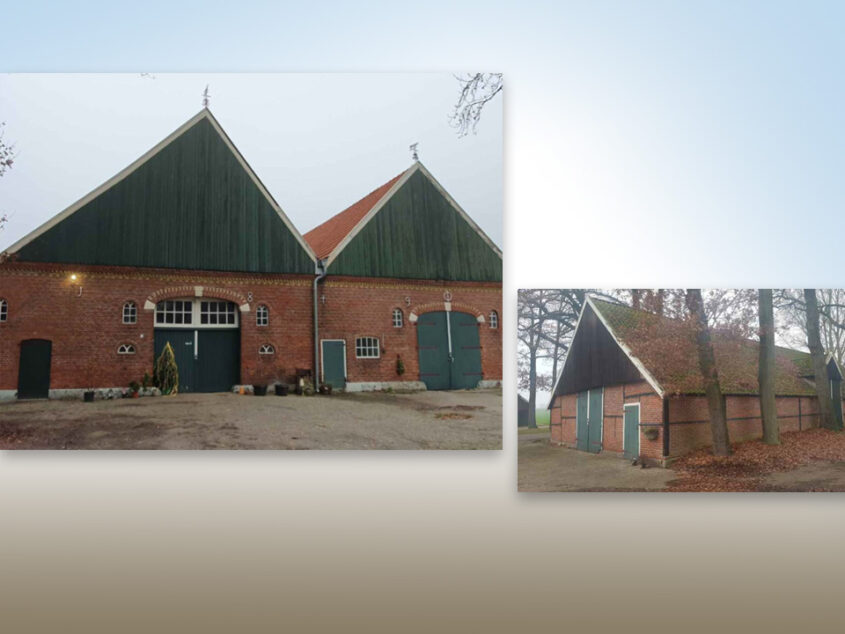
x=206 y=97
x=414 y=154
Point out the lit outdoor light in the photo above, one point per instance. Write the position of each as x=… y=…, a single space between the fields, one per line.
x=73 y=277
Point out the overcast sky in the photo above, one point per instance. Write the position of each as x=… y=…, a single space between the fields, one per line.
x=319 y=142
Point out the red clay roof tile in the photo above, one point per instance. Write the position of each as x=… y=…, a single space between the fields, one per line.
x=325 y=237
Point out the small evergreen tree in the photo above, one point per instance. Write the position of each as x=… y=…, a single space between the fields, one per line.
x=166 y=374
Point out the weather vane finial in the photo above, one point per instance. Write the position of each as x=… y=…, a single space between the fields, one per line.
x=206 y=97
x=414 y=153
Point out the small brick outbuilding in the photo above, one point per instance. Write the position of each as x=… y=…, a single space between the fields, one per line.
x=631 y=385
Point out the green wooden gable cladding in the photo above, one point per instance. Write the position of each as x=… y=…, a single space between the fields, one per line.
x=418 y=234
x=192 y=205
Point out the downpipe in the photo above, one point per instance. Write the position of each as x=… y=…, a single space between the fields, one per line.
x=320 y=274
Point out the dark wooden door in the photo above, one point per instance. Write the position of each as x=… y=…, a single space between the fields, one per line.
x=34 y=368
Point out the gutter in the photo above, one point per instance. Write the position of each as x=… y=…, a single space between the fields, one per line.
x=319 y=274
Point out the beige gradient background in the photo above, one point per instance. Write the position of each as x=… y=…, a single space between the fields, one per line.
x=394 y=542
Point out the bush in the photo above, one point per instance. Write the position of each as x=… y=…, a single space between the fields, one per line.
x=166 y=374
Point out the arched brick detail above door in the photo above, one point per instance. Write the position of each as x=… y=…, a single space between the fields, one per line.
x=214 y=292
x=460 y=307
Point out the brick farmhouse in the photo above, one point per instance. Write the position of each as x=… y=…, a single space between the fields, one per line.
x=631 y=386
x=186 y=246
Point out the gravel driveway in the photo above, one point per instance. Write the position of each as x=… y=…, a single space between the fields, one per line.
x=422 y=420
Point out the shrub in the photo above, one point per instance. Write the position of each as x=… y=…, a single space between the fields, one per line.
x=166 y=372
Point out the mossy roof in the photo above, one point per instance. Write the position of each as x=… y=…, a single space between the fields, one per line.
x=667 y=349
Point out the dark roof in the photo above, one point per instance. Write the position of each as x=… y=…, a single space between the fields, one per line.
x=667 y=349
x=324 y=238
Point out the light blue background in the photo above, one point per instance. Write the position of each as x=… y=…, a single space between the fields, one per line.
x=700 y=143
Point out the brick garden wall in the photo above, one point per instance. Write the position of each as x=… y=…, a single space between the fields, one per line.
x=356 y=307
x=87 y=329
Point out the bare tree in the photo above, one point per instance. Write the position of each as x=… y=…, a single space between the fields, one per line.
x=477 y=90
x=766 y=367
x=710 y=373
x=819 y=366
x=7 y=158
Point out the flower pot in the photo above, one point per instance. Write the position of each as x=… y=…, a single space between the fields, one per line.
x=281 y=390
x=260 y=390
x=135 y=395
x=326 y=389
x=88 y=396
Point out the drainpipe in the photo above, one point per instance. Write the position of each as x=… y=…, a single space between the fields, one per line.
x=319 y=274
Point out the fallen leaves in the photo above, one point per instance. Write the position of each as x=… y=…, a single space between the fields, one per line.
x=751 y=461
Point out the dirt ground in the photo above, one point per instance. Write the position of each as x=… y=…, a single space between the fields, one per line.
x=422 y=420
x=812 y=460
x=543 y=467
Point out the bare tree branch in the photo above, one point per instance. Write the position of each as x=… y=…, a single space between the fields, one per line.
x=477 y=90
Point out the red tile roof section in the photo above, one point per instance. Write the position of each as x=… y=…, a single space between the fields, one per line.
x=325 y=237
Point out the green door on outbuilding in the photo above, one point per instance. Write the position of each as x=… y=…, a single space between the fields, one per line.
x=208 y=359
x=334 y=363
x=631 y=431
x=449 y=350
x=588 y=420
x=582 y=429
x=34 y=368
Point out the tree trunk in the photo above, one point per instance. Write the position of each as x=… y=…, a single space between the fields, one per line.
x=814 y=342
x=532 y=389
x=710 y=373
x=766 y=370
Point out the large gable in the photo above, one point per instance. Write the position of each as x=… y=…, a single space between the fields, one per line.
x=407 y=228
x=192 y=202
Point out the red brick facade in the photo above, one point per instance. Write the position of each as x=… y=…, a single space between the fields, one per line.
x=689 y=426
x=356 y=307
x=83 y=319
x=615 y=398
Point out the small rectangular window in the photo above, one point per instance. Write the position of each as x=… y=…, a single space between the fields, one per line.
x=367 y=348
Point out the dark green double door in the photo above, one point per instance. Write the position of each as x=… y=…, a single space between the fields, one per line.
x=449 y=350
x=836 y=402
x=208 y=360
x=334 y=363
x=588 y=420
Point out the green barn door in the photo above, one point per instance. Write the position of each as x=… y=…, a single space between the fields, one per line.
x=218 y=359
x=836 y=402
x=596 y=420
x=582 y=434
x=433 y=345
x=34 y=369
x=182 y=342
x=334 y=363
x=631 y=432
x=466 y=352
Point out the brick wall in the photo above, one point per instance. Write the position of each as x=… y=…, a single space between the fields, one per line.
x=690 y=420
x=87 y=329
x=356 y=307
x=563 y=421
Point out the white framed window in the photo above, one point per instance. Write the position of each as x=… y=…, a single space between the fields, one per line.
x=174 y=311
x=262 y=315
x=196 y=313
x=4 y=310
x=367 y=348
x=126 y=348
x=267 y=348
x=217 y=313
x=494 y=319
x=398 y=318
x=130 y=313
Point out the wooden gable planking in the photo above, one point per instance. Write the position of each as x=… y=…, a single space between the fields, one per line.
x=192 y=204
x=595 y=359
x=418 y=234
